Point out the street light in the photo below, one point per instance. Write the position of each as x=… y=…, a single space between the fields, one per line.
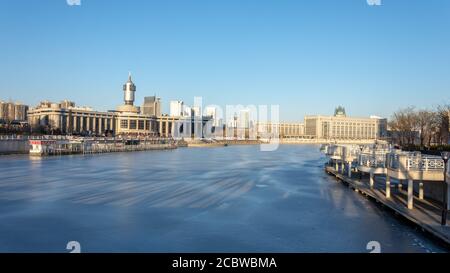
x=445 y=156
x=361 y=147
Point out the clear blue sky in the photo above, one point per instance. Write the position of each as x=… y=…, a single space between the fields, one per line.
x=308 y=56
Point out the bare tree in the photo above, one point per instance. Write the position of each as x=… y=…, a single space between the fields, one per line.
x=427 y=123
x=404 y=125
x=443 y=113
x=430 y=127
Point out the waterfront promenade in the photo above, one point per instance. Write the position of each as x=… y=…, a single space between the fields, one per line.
x=426 y=213
x=409 y=183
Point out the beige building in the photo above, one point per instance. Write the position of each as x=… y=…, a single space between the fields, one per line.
x=70 y=119
x=127 y=119
x=336 y=127
x=282 y=129
x=341 y=127
x=10 y=111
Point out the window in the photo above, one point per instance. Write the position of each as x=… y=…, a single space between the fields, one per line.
x=141 y=125
x=124 y=124
x=132 y=124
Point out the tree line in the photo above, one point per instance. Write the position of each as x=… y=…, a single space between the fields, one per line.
x=411 y=126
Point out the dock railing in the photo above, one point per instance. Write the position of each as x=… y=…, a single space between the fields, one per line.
x=373 y=158
x=415 y=166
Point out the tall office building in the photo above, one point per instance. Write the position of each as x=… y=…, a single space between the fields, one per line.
x=211 y=111
x=196 y=111
x=20 y=111
x=10 y=111
x=152 y=106
x=3 y=110
x=176 y=108
x=187 y=112
x=244 y=119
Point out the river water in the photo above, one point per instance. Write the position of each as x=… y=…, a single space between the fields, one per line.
x=223 y=199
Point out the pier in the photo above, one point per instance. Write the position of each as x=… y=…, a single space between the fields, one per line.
x=409 y=183
x=65 y=146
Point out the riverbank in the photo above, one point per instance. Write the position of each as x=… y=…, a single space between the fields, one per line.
x=20 y=144
x=66 y=145
x=222 y=143
x=14 y=146
x=426 y=214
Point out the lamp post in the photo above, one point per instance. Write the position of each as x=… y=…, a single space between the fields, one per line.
x=361 y=147
x=445 y=156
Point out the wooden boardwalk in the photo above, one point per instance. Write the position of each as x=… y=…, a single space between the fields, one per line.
x=425 y=214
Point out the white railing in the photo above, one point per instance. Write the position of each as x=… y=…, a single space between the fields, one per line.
x=373 y=156
x=374 y=160
x=425 y=163
x=342 y=152
x=415 y=161
x=352 y=150
x=335 y=151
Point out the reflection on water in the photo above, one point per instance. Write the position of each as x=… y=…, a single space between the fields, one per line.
x=228 y=199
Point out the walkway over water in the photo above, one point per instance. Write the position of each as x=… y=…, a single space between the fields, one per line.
x=427 y=214
x=223 y=199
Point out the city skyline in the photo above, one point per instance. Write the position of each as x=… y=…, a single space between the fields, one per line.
x=305 y=57
x=178 y=108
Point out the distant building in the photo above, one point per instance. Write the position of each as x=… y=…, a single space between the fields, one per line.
x=336 y=127
x=20 y=112
x=244 y=119
x=187 y=111
x=212 y=111
x=127 y=119
x=196 y=111
x=10 y=111
x=3 y=111
x=281 y=129
x=70 y=119
x=341 y=127
x=176 y=108
x=152 y=106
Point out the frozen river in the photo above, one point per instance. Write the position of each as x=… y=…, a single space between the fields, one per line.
x=226 y=199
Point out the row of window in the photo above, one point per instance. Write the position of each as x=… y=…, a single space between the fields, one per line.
x=134 y=124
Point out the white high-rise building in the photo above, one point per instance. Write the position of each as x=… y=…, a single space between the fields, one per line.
x=196 y=111
x=244 y=119
x=187 y=112
x=177 y=108
x=211 y=111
